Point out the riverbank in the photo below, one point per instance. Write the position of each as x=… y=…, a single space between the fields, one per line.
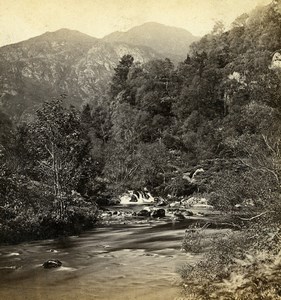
x=30 y=225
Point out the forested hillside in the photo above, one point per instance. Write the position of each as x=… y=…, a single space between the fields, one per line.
x=219 y=109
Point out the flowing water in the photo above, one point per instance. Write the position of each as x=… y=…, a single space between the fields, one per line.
x=113 y=262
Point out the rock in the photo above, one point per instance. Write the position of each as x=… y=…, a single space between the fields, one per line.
x=238 y=206
x=179 y=216
x=128 y=214
x=189 y=213
x=52 y=263
x=144 y=213
x=106 y=214
x=175 y=204
x=200 y=214
x=158 y=213
x=161 y=202
x=276 y=61
x=53 y=251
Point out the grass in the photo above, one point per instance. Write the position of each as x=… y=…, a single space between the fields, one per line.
x=235 y=265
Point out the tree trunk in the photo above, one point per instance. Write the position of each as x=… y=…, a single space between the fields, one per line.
x=56 y=181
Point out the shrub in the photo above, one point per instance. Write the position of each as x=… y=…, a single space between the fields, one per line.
x=238 y=265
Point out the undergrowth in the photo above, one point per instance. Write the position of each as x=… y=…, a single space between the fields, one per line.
x=236 y=265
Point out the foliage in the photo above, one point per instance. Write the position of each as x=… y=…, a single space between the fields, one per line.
x=43 y=165
x=60 y=148
x=238 y=265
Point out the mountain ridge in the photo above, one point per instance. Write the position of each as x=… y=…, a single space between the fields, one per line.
x=60 y=62
x=172 y=42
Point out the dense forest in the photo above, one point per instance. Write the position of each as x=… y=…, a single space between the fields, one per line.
x=219 y=109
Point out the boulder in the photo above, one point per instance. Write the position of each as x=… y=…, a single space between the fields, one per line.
x=144 y=213
x=106 y=214
x=158 y=213
x=162 y=202
x=179 y=216
x=189 y=213
x=52 y=263
x=276 y=61
x=175 y=204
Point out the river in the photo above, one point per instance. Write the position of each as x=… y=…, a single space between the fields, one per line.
x=136 y=261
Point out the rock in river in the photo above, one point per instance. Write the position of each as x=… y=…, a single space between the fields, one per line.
x=189 y=213
x=162 y=202
x=52 y=263
x=179 y=216
x=144 y=213
x=158 y=213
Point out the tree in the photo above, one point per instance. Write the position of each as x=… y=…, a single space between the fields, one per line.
x=121 y=74
x=218 y=28
x=240 y=21
x=59 y=148
x=6 y=134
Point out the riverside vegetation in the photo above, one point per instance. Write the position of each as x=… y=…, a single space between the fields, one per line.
x=219 y=109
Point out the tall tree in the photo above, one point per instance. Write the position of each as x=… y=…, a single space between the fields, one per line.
x=121 y=74
x=56 y=143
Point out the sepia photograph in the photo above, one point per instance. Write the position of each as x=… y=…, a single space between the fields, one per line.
x=140 y=150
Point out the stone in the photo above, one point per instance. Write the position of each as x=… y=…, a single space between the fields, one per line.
x=162 y=202
x=52 y=263
x=179 y=216
x=175 y=204
x=158 y=213
x=189 y=213
x=143 y=213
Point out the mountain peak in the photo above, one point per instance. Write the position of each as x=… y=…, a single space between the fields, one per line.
x=66 y=34
x=172 y=42
x=151 y=23
x=157 y=25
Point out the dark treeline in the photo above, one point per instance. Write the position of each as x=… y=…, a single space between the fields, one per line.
x=218 y=110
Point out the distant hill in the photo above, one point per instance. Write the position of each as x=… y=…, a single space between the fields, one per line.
x=61 y=62
x=171 y=42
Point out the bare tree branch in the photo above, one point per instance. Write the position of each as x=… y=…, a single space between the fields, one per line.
x=255 y=217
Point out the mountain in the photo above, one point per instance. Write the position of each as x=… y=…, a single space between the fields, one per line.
x=61 y=62
x=171 y=42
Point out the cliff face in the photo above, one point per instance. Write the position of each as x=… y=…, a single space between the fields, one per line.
x=61 y=62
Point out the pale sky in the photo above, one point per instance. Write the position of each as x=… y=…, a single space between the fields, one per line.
x=22 y=19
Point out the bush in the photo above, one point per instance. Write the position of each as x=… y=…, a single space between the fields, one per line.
x=193 y=239
x=46 y=223
x=238 y=265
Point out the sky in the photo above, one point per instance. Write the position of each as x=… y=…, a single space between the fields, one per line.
x=23 y=19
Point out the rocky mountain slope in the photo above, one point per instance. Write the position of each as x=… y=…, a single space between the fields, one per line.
x=171 y=42
x=62 y=62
